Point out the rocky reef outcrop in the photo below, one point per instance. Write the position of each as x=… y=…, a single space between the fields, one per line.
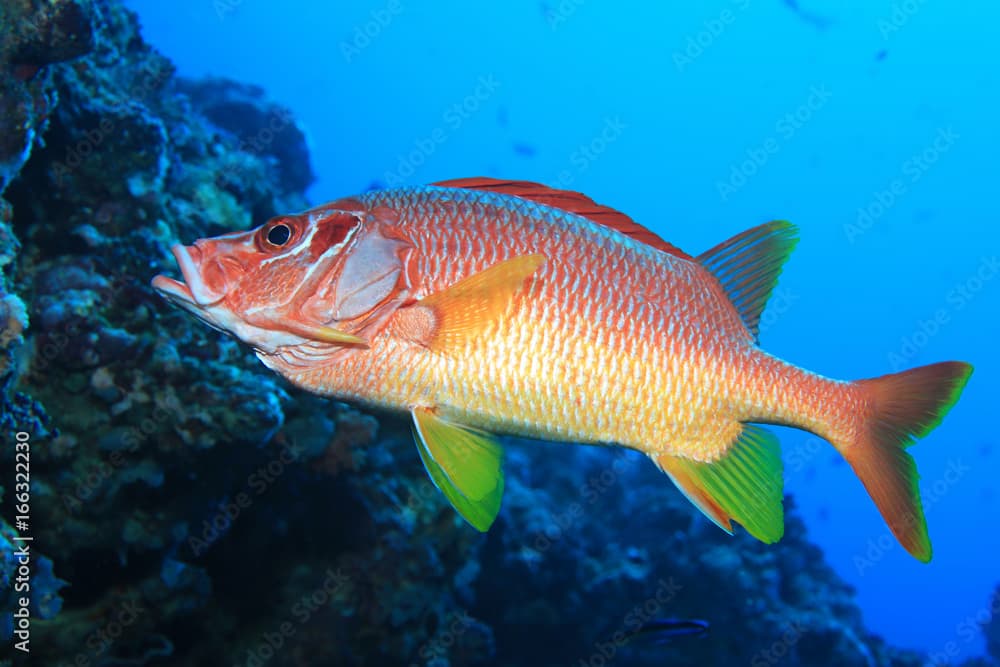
x=187 y=507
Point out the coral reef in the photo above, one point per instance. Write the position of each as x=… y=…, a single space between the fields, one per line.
x=32 y=35
x=190 y=508
x=991 y=626
x=559 y=560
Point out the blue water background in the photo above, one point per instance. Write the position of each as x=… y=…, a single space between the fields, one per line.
x=872 y=125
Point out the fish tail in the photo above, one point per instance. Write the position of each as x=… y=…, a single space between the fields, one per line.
x=898 y=409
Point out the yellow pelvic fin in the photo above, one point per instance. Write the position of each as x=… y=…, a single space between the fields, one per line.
x=465 y=464
x=466 y=308
x=745 y=485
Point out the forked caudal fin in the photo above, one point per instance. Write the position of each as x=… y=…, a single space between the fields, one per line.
x=902 y=407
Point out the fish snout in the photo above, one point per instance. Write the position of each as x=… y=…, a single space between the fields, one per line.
x=199 y=286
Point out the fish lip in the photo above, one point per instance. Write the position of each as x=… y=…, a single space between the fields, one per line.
x=195 y=291
x=173 y=289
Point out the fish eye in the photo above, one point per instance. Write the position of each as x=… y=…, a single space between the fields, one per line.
x=279 y=235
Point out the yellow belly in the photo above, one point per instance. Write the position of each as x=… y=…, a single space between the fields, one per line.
x=554 y=380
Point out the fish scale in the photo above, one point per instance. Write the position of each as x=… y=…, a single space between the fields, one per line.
x=530 y=402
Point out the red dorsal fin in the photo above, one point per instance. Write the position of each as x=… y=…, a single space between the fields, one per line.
x=569 y=201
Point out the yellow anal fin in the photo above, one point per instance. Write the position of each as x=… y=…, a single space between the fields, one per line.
x=745 y=485
x=466 y=308
x=465 y=464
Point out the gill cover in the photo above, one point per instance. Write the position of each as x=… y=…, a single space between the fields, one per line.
x=370 y=274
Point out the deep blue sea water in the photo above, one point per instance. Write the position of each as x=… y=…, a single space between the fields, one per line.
x=872 y=125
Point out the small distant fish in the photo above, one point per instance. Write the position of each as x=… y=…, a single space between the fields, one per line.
x=524 y=150
x=548 y=12
x=502 y=118
x=663 y=630
x=481 y=306
x=812 y=18
x=881 y=54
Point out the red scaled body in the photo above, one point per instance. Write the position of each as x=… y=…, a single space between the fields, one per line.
x=493 y=307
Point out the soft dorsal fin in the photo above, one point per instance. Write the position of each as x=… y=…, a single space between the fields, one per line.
x=569 y=201
x=748 y=265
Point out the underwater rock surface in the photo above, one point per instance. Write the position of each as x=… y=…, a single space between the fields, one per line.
x=190 y=508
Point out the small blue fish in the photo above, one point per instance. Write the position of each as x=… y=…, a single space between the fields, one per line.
x=524 y=150
x=663 y=630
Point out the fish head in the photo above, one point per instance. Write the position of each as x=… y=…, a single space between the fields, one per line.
x=324 y=278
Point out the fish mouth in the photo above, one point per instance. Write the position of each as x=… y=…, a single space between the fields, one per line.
x=193 y=291
x=174 y=290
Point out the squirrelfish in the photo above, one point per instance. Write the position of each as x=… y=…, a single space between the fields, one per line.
x=485 y=307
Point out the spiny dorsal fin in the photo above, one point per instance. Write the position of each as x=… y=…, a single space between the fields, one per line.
x=748 y=265
x=744 y=485
x=569 y=201
x=464 y=463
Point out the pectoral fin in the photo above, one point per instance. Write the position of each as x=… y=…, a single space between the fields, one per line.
x=463 y=310
x=744 y=485
x=465 y=464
